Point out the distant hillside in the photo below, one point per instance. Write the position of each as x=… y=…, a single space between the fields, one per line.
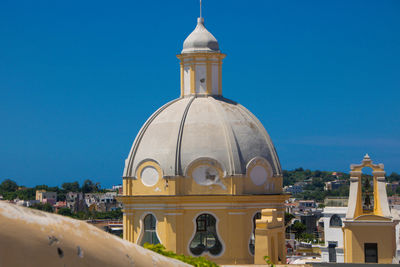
x=314 y=181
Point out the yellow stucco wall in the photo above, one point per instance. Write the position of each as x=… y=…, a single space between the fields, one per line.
x=176 y=221
x=356 y=236
x=177 y=201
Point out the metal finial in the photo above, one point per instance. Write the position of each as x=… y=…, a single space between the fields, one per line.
x=200 y=8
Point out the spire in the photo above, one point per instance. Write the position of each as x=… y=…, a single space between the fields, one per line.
x=200 y=9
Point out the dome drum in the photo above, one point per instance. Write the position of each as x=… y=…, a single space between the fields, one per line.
x=205 y=176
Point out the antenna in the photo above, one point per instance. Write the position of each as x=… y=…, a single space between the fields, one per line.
x=200 y=8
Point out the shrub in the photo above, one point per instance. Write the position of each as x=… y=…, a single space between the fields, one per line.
x=195 y=261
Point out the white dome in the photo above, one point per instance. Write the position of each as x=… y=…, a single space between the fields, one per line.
x=192 y=128
x=200 y=40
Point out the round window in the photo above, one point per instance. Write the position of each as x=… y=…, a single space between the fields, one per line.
x=258 y=175
x=149 y=176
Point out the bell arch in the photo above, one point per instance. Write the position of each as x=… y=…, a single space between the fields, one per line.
x=357 y=206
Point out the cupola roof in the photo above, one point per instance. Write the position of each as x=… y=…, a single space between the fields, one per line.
x=188 y=129
x=200 y=40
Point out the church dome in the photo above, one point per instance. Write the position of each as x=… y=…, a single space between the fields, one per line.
x=195 y=128
x=200 y=40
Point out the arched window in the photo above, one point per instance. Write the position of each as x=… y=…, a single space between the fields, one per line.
x=335 y=221
x=206 y=237
x=253 y=235
x=149 y=230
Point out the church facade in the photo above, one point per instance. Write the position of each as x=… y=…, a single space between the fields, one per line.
x=203 y=173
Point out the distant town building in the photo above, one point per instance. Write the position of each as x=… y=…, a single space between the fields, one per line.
x=117 y=188
x=336 y=201
x=310 y=220
x=293 y=189
x=25 y=203
x=333 y=221
x=394 y=201
x=291 y=207
x=102 y=201
x=46 y=197
x=307 y=205
x=337 y=174
x=75 y=201
x=59 y=205
x=334 y=185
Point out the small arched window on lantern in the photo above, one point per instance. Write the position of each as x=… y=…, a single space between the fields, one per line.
x=335 y=221
x=206 y=237
x=253 y=234
x=149 y=230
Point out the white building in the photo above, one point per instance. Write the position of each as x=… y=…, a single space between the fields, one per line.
x=396 y=214
x=333 y=249
x=294 y=189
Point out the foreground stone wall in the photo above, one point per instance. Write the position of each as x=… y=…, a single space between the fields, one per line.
x=33 y=238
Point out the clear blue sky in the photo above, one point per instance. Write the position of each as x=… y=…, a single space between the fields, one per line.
x=79 y=78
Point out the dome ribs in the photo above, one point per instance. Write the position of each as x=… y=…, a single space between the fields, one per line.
x=274 y=156
x=131 y=157
x=178 y=164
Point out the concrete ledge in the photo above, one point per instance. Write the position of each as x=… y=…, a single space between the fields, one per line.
x=32 y=238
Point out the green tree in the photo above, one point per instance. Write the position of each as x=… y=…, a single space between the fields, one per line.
x=26 y=194
x=45 y=207
x=71 y=187
x=65 y=212
x=393 y=177
x=42 y=187
x=288 y=217
x=8 y=186
x=90 y=187
x=307 y=237
x=389 y=190
x=298 y=228
x=317 y=173
x=398 y=190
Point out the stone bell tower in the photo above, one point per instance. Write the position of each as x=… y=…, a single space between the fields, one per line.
x=369 y=228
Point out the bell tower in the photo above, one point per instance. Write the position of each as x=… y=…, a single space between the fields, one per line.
x=356 y=202
x=369 y=228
